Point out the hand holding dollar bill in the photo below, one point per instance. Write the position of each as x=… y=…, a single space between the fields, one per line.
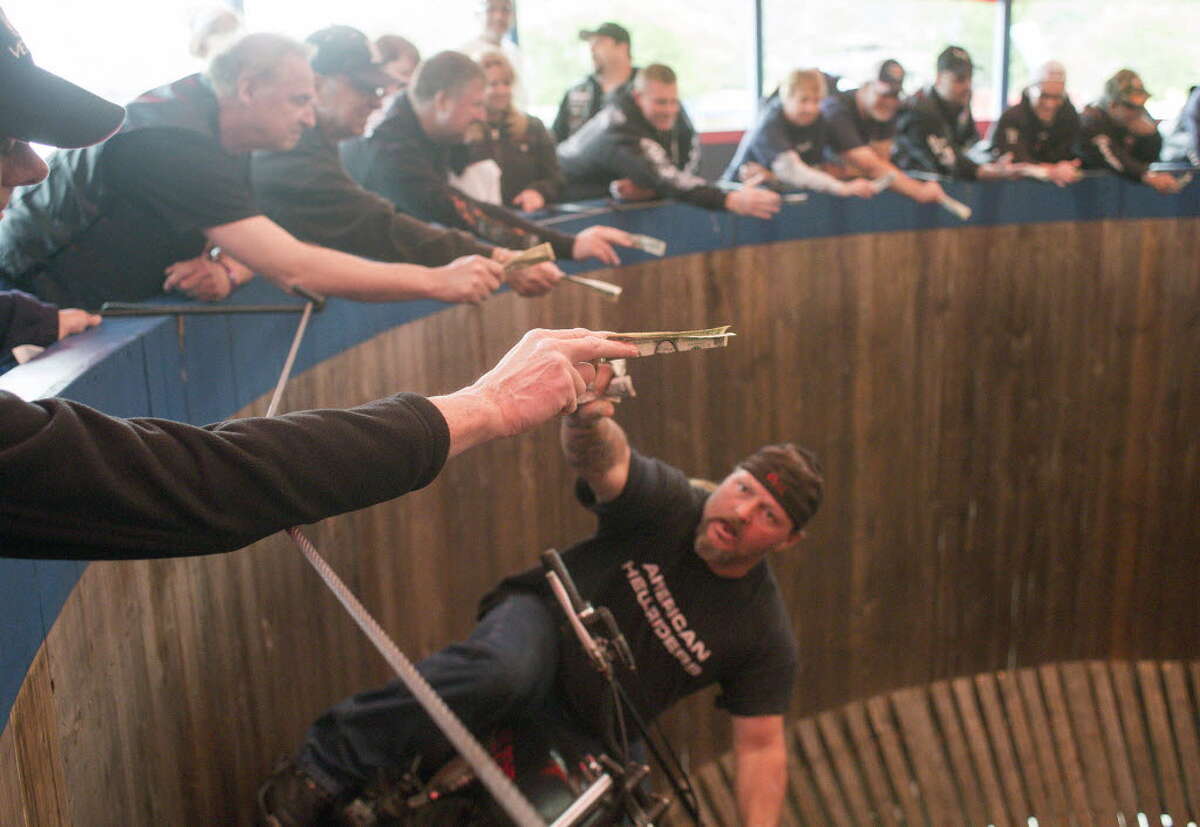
x=543 y=253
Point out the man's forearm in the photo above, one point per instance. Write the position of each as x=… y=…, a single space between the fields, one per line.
x=267 y=248
x=761 y=785
x=594 y=447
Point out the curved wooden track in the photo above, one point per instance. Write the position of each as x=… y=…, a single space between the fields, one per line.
x=1007 y=416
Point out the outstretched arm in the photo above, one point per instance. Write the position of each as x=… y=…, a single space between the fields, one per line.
x=595 y=446
x=760 y=761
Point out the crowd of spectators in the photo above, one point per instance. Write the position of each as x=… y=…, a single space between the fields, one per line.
x=377 y=176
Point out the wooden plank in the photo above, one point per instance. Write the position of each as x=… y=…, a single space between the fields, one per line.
x=1066 y=747
x=1133 y=726
x=1037 y=779
x=1170 y=774
x=845 y=762
x=1114 y=738
x=817 y=759
x=35 y=737
x=806 y=805
x=926 y=752
x=868 y=748
x=981 y=753
x=1001 y=740
x=720 y=793
x=883 y=722
x=1081 y=705
x=961 y=762
x=1185 y=718
x=711 y=793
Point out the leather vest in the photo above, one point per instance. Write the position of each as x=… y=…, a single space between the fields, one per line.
x=72 y=207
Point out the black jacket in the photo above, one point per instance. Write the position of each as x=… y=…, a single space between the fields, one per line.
x=1030 y=141
x=527 y=162
x=76 y=240
x=582 y=102
x=1104 y=143
x=78 y=484
x=620 y=143
x=933 y=135
x=308 y=192
x=401 y=163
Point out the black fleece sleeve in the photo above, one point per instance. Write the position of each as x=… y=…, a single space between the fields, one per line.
x=26 y=320
x=79 y=484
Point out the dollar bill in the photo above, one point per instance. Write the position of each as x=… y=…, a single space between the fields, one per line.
x=528 y=258
x=1035 y=171
x=649 y=244
x=883 y=182
x=795 y=197
x=676 y=341
x=610 y=291
x=957 y=207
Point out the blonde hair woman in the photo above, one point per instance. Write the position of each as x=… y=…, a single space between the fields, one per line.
x=519 y=143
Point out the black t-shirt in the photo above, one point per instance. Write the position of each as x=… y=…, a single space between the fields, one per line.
x=849 y=128
x=774 y=135
x=164 y=187
x=687 y=627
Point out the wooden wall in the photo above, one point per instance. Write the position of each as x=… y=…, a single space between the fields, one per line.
x=1007 y=417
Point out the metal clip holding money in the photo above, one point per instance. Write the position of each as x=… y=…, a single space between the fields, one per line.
x=543 y=253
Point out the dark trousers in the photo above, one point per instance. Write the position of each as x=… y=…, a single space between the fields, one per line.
x=505 y=669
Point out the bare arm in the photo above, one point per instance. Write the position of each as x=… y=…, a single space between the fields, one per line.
x=760 y=760
x=874 y=166
x=595 y=446
x=267 y=248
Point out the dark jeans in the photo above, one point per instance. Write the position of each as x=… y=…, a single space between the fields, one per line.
x=506 y=668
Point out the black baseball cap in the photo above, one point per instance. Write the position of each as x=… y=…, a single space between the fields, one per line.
x=955 y=59
x=614 y=30
x=38 y=106
x=344 y=50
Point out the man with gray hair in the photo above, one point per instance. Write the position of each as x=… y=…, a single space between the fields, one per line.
x=112 y=221
x=1042 y=129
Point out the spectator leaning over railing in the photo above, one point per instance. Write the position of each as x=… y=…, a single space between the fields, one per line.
x=613 y=61
x=862 y=125
x=1119 y=135
x=643 y=146
x=518 y=142
x=76 y=483
x=935 y=129
x=1183 y=146
x=1040 y=131
x=786 y=147
x=111 y=219
x=309 y=193
x=409 y=158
